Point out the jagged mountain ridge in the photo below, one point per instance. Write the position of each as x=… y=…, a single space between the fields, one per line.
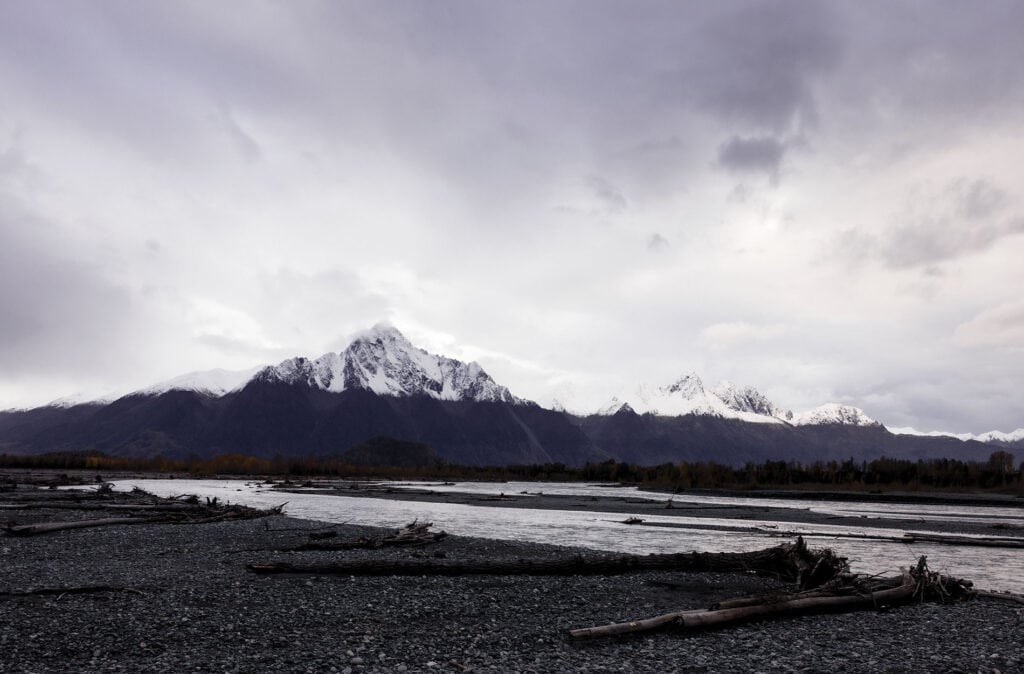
x=689 y=396
x=380 y=360
x=382 y=385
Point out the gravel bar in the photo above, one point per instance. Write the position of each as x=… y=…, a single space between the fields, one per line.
x=190 y=606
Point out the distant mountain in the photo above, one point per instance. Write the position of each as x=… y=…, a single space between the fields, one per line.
x=1013 y=439
x=833 y=414
x=383 y=361
x=650 y=439
x=382 y=386
x=211 y=382
x=688 y=396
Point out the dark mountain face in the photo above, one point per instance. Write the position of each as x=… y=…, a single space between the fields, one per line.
x=270 y=418
x=649 y=440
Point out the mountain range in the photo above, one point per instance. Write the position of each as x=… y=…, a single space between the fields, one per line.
x=381 y=385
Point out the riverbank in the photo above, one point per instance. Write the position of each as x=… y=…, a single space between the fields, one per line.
x=188 y=604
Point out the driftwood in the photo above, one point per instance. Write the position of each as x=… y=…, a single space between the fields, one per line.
x=846 y=592
x=43 y=505
x=213 y=512
x=61 y=591
x=791 y=562
x=412 y=534
x=1005 y=596
x=988 y=541
x=745 y=610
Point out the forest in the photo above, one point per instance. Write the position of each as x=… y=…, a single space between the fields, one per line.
x=998 y=473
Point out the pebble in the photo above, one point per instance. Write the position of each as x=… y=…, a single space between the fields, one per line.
x=202 y=611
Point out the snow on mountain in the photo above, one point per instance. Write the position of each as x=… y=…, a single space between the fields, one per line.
x=382 y=360
x=688 y=395
x=999 y=436
x=833 y=413
x=213 y=382
x=79 y=399
x=990 y=436
x=909 y=430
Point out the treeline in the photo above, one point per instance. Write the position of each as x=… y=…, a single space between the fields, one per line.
x=998 y=473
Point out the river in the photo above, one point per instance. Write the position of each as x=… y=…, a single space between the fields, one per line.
x=989 y=567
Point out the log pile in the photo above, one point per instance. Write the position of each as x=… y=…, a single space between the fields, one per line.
x=790 y=562
x=138 y=507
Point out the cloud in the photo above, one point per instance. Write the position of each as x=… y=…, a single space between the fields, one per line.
x=760 y=62
x=55 y=308
x=998 y=326
x=320 y=166
x=728 y=335
x=657 y=243
x=752 y=155
x=964 y=218
x=610 y=196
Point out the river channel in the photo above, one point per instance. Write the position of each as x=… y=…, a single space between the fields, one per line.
x=991 y=568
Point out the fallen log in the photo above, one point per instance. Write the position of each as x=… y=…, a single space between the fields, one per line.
x=790 y=562
x=412 y=534
x=37 y=505
x=746 y=610
x=846 y=592
x=198 y=515
x=61 y=591
x=50 y=527
x=944 y=539
x=1005 y=596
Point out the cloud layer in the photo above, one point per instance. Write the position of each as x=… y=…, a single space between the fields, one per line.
x=823 y=201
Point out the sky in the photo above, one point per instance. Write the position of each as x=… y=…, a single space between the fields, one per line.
x=821 y=200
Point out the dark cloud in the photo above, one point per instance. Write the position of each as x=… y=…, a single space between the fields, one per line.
x=657 y=243
x=60 y=315
x=611 y=197
x=976 y=199
x=752 y=155
x=759 y=62
x=964 y=218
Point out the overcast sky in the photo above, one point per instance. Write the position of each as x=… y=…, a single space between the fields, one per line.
x=822 y=200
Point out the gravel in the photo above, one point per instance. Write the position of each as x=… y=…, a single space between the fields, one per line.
x=195 y=608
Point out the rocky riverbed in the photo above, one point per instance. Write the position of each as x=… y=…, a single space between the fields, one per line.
x=187 y=603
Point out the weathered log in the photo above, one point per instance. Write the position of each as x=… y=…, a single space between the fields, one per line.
x=742 y=610
x=1005 y=596
x=199 y=515
x=845 y=592
x=61 y=591
x=36 y=505
x=50 y=527
x=410 y=535
x=791 y=562
x=944 y=539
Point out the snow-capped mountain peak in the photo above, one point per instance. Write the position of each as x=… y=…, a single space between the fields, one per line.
x=999 y=436
x=987 y=437
x=689 y=386
x=834 y=413
x=688 y=395
x=748 y=399
x=383 y=361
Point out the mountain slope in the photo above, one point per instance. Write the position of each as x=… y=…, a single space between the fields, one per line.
x=381 y=385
